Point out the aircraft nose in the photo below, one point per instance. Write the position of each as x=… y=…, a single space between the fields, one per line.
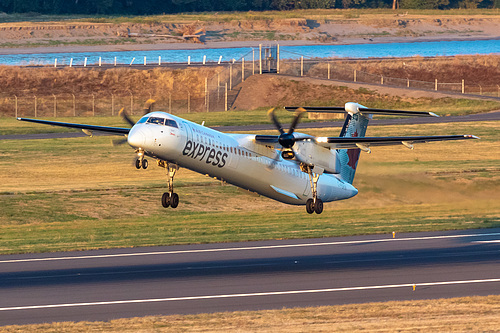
x=136 y=138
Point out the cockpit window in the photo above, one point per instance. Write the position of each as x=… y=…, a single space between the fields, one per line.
x=142 y=120
x=156 y=120
x=171 y=123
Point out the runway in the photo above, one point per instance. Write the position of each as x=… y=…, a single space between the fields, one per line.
x=107 y=284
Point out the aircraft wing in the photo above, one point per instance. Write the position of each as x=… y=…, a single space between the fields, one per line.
x=114 y=130
x=365 y=142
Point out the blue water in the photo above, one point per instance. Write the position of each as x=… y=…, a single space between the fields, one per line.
x=442 y=48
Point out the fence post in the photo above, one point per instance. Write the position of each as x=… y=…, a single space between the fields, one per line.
x=93 y=105
x=131 y=102
x=436 y=84
x=407 y=83
x=206 y=90
x=278 y=59
x=231 y=76
x=328 y=71
x=16 y=106
x=112 y=104
x=463 y=86
x=55 y=106
x=242 y=69
x=480 y=89
x=189 y=101
x=260 y=60
x=74 y=105
x=208 y=102
x=354 y=75
x=301 y=66
x=225 y=99
x=381 y=79
x=35 y=107
x=218 y=87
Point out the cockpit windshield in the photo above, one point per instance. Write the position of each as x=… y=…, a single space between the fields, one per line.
x=156 y=120
x=159 y=121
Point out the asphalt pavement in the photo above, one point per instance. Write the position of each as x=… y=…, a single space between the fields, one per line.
x=107 y=284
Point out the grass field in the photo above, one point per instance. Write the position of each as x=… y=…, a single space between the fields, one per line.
x=82 y=193
x=467 y=314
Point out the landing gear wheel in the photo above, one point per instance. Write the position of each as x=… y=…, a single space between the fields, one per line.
x=174 y=200
x=144 y=163
x=137 y=163
x=318 y=207
x=310 y=206
x=165 y=199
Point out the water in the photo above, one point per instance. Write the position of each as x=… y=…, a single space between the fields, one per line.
x=440 y=48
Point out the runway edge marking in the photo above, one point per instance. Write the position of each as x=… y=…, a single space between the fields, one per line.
x=271 y=293
x=248 y=248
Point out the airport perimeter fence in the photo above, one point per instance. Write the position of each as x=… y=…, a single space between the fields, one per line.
x=333 y=70
x=218 y=94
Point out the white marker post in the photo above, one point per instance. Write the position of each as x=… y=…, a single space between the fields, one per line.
x=220 y=59
x=159 y=60
x=100 y=62
x=85 y=62
x=144 y=61
x=189 y=60
x=204 y=59
x=55 y=63
x=132 y=61
x=71 y=62
x=115 y=61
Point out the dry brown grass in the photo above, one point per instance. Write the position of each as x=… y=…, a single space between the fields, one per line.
x=467 y=314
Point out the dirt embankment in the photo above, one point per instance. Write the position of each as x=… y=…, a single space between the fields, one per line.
x=308 y=29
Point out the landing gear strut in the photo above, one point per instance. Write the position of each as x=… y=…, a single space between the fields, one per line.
x=140 y=161
x=169 y=199
x=315 y=204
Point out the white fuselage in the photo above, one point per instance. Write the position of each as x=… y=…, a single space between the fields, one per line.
x=234 y=158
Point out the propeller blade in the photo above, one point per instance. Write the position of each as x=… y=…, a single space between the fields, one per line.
x=118 y=142
x=275 y=121
x=148 y=106
x=298 y=114
x=125 y=117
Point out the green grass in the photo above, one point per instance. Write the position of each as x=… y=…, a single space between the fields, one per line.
x=82 y=193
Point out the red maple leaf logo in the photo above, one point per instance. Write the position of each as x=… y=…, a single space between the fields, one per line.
x=353 y=154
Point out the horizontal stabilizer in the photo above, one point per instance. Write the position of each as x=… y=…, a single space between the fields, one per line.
x=114 y=130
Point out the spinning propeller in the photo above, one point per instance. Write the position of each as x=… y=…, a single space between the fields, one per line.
x=286 y=139
x=148 y=107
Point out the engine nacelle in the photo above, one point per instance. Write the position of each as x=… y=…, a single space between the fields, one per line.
x=312 y=154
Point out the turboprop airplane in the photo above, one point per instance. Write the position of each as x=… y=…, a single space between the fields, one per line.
x=292 y=167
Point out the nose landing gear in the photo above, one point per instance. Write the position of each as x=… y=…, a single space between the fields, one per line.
x=169 y=199
x=141 y=162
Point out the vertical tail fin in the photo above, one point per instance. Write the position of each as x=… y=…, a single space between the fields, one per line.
x=354 y=126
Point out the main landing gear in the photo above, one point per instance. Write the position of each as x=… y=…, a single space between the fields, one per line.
x=169 y=199
x=315 y=204
x=140 y=161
